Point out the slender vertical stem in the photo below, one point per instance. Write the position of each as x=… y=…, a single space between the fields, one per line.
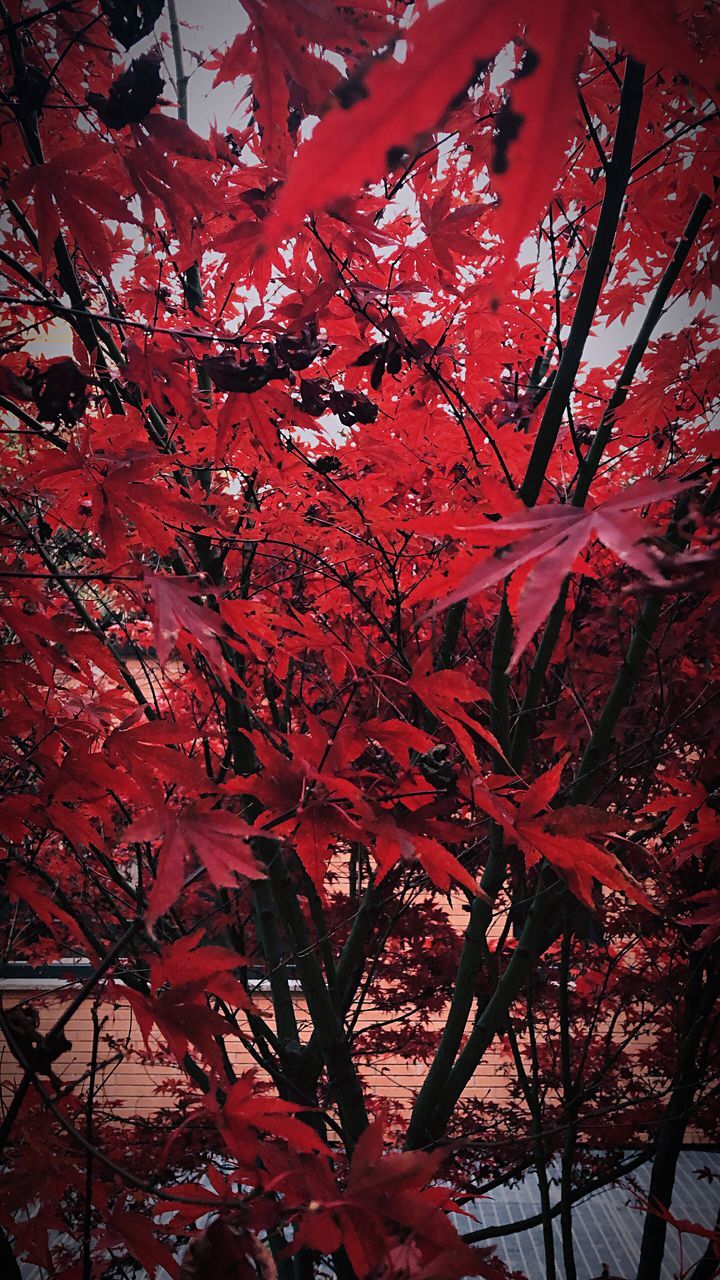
x=617 y=178
x=89 y=1151
x=276 y=960
x=181 y=77
x=588 y=470
x=333 y=1042
x=569 y=1102
x=700 y=997
x=13 y=1110
x=192 y=283
x=531 y=1093
x=544 y=917
x=639 y=347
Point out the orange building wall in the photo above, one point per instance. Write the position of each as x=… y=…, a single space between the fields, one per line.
x=134 y=1085
x=138 y=1086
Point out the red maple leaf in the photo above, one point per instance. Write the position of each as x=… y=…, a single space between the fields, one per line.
x=552 y=537
x=397 y=102
x=63 y=190
x=177 y=614
x=562 y=835
x=248 y=1110
x=217 y=838
x=443 y=693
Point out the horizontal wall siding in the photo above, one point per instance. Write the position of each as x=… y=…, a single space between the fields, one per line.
x=143 y=1082
x=136 y=1083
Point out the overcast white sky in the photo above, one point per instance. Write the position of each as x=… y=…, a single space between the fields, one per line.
x=212 y=24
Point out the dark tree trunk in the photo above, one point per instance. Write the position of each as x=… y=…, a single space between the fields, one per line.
x=9 y=1268
x=699 y=1000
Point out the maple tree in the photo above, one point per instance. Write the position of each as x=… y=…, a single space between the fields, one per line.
x=359 y=614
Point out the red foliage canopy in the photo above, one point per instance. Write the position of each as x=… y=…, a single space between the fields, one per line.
x=359 y=508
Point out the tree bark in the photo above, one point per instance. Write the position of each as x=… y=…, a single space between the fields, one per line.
x=699 y=1000
x=8 y=1264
